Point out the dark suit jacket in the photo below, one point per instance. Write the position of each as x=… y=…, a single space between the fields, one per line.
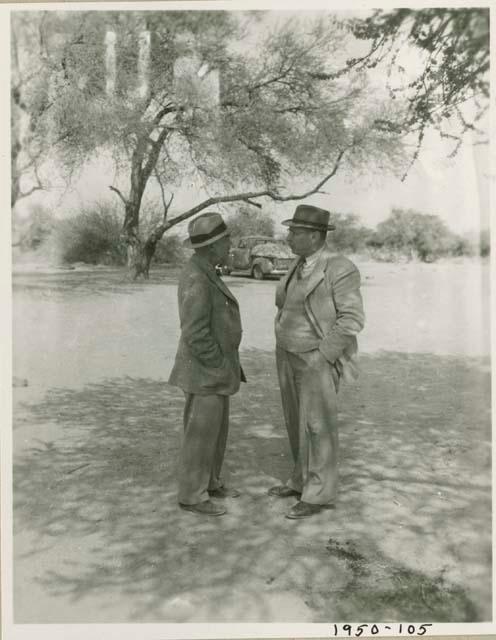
x=334 y=307
x=207 y=360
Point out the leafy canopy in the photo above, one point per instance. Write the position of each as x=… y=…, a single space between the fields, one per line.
x=446 y=85
x=213 y=111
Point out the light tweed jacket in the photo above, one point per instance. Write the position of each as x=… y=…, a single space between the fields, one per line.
x=334 y=307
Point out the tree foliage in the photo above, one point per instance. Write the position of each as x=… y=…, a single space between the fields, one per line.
x=241 y=122
x=32 y=232
x=414 y=234
x=30 y=105
x=447 y=86
x=350 y=235
x=246 y=222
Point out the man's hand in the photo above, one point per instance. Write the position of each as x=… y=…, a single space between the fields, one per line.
x=315 y=359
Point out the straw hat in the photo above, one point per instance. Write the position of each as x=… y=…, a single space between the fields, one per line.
x=206 y=229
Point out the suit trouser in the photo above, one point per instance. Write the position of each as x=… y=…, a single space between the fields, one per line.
x=206 y=422
x=309 y=400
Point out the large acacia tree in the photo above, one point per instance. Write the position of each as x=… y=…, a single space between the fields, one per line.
x=204 y=102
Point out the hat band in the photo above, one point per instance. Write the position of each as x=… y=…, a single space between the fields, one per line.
x=204 y=237
x=308 y=225
x=302 y=223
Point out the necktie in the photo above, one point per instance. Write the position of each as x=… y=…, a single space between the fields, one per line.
x=300 y=266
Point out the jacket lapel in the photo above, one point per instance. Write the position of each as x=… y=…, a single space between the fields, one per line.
x=317 y=274
x=283 y=284
x=210 y=272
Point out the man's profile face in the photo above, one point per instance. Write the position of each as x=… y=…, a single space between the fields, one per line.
x=221 y=249
x=301 y=241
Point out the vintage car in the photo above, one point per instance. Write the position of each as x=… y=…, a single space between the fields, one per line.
x=259 y=257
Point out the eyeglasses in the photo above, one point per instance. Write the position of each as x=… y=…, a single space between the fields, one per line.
x=299 y=232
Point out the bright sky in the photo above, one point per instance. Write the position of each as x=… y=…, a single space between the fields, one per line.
x=456 y=189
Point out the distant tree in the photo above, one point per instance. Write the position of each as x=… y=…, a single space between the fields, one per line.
x=451 y=86
x=350 y=235
x=36 y=229
x=170 y=250
x=414 y=234
x=464 y=245
x=29 y=106
x=249 y=223
x=176 y=100
x=485 y=243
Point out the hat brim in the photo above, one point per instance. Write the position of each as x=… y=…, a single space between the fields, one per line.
x=191 y=245
x=304 y=225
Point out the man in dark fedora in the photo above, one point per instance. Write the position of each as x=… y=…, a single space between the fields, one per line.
x=207 y=366
x=319 y=314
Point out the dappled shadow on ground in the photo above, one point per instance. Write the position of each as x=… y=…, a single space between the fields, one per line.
x=410 y=538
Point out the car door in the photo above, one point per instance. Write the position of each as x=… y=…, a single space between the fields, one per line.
x=240 y=256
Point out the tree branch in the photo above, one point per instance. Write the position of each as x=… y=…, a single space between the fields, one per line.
x=151 y=162
x=37 y=187
x=273 y=195
x=162 y=191
x=115 y=190
x=25 y=194
x=254 y=204
x=169 y=108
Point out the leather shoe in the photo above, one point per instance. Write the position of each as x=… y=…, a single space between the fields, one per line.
x=305 y=509
x=223 y=492
x=283 y=491
x=206 y=508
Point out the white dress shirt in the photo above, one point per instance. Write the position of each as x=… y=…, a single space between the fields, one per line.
x=310 y=262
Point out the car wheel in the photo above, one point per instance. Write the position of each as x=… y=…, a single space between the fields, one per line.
x=257 y=272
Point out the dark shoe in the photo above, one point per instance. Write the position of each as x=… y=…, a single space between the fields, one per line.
x=283 y=491
x=206 y=508
x=305 y=509
x=223 y=492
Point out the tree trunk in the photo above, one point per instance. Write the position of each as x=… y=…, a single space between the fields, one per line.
x=132 y=239
x=139 y=254
x=15 y=186
x=142 y=254
x=135 y=258
x=130 y=229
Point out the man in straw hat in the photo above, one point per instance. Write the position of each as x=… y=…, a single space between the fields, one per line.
x=319 y=314
x=207 y=365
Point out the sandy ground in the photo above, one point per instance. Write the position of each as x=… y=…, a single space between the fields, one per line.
x=97 y=533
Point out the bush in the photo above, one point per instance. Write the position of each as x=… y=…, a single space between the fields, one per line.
x=485 y=243
x=465 y=246
x=170 y=250
x=350 y=235
x=34 y=231
x=92 y=236
x=413 y=235
x=249 y=221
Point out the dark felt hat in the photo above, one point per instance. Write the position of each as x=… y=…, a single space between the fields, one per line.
x=307 y=216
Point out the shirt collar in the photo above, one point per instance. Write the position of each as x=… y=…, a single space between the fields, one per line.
x=311 y=261
x=208 y=266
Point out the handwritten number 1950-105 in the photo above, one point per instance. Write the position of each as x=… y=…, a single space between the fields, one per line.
x=375 y=629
